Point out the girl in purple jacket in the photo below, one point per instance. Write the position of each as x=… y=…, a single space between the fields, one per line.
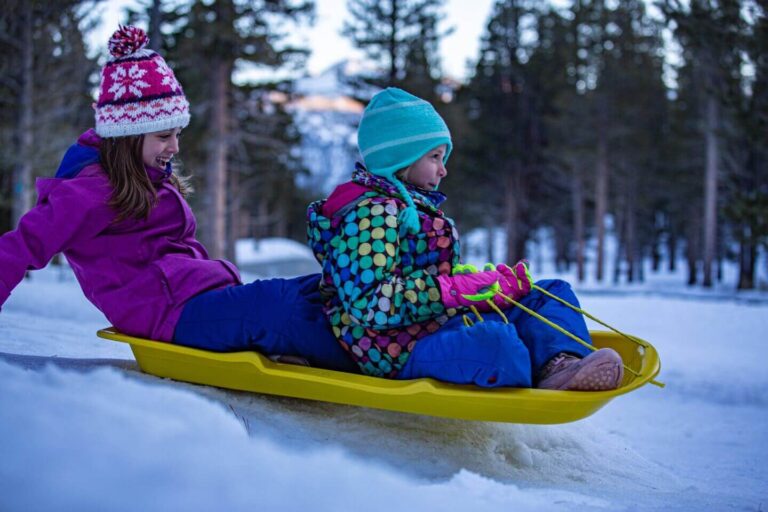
x=117 y=212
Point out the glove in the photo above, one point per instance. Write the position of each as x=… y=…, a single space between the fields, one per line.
x=470 y=287
x=517 y=282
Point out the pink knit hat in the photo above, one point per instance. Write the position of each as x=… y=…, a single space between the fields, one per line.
x=138 y=92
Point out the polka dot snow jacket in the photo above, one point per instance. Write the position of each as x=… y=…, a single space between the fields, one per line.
x=379 y=285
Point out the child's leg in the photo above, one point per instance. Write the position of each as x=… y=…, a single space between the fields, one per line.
x=543 y=341
x=488 y=354
x=272 y=316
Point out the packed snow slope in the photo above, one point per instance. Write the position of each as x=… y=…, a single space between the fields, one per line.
x=81 y=428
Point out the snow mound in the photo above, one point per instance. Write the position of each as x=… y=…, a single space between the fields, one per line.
x=102 y=437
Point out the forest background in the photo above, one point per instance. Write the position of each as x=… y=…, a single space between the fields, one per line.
x=647 y=117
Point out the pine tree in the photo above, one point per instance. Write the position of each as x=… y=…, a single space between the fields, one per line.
x=708 y=31
x=207 y=43
x=747 y=186
x=507 y=101
x=570 y=144
x=44 y=92
x=640 y=107
x=401 y=35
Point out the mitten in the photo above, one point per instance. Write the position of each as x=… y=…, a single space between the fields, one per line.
x=516 y=282
x=472 y=289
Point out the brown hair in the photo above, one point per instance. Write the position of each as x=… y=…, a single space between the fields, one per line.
x=133 y=195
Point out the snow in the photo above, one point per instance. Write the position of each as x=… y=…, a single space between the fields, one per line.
x=335 y=80
x=327 y=116
x=81 y=428
x=263 y=250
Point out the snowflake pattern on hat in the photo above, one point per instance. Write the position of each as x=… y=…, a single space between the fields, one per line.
x=129 y=80
x=139 y=92
x=168 y=78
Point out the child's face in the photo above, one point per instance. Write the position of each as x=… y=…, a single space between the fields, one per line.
x=428 y=170
x=160 y=147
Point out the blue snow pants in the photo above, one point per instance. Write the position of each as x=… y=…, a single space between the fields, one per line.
x=493 y=353
x=271 y=316
x=285 y=316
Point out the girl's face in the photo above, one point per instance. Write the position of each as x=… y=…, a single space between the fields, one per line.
x=428 y=170
x=160 y=147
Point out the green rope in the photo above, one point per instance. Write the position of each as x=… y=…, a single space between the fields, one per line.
x=575 y=308
x=495 y=290
x=559 y=329
x=578 y=309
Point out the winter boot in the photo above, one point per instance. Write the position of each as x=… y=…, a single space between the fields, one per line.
x=599 y=371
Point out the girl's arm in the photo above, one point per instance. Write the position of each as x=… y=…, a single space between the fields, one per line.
x=366 y=267
x=67 y=211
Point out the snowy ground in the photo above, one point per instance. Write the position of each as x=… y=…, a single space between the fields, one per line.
x=82 y=429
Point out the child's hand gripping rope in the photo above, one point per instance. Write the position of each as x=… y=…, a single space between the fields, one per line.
x=485 y=290
x=519 y=283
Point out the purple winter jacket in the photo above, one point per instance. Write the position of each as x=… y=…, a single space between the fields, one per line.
x=139 y=273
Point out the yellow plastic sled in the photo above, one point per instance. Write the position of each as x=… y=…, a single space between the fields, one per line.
x=250 y=371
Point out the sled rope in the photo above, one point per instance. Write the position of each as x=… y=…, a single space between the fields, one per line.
x=591 y=317
x=578 y=309
x=469 y=322
x=495 y=290
x=569 y=334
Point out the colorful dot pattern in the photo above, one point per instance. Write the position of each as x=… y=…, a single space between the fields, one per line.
x=379 y=281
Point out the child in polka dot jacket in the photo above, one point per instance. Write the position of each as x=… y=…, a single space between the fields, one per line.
x=388 y=255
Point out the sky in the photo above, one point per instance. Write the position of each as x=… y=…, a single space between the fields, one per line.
x=82 y=429
x=468 y=17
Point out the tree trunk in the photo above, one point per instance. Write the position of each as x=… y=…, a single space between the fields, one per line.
x=22 y=171
x=562 y=241
x=262 y=223
x=631 y=247
x=672 y=249
x=710 y=188
x=281 y=224
x=631 y=233
x=155 y=20
x=511 y=214
x=216 y=177
x=234 y=224
x=692 y=248
x=621 y=243
x=656 y=250
x=489 y=245
x=601 y=194
x=601 y=186
x=392 y=46
x=747 y=257
x=577 y=196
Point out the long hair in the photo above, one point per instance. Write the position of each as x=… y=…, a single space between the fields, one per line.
x=133 y=195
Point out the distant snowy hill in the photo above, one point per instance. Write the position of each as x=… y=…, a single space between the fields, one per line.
x=327 y=113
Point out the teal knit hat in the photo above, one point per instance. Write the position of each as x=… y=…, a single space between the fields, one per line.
x=396 y=130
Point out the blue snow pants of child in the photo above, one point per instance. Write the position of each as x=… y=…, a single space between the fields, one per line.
x=493 y=353
x=271 y=316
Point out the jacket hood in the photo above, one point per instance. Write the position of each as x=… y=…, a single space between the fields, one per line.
x=85 y=152
x=80 y=155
